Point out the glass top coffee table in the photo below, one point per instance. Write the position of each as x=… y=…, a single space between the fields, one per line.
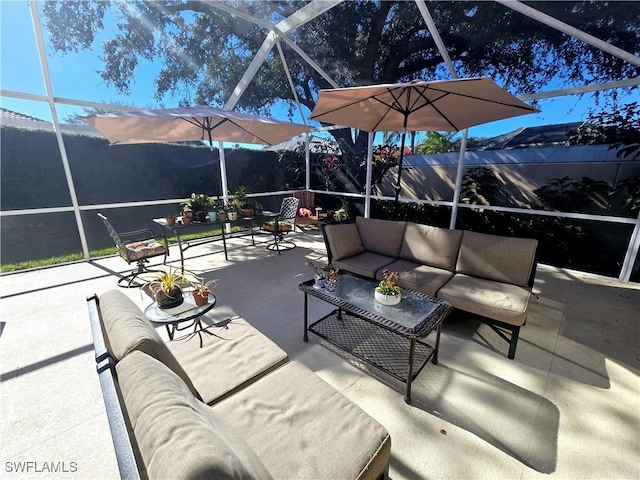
x=188 y=311
x=387 y=337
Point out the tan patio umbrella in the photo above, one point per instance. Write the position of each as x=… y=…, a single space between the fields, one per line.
x=443 y=105
x=192 y=124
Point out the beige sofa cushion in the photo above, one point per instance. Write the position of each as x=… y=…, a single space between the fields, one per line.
x=365 y=264
x=421 y=278
x=502 y=259
x=127 y=329
x=430 y=245
x=381 y=236
x=179 y=436
x=499 y=301
x=242 y=355
x=344 y=240
x=308 y=430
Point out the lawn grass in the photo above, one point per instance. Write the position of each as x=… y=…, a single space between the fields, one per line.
x=103 y=252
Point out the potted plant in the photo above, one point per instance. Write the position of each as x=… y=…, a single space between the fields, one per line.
x=232 y=211
x=388 y=292
x=201 y=290
x=319 y=274
x=167 y=288
x=199 y=204
x=241 y=202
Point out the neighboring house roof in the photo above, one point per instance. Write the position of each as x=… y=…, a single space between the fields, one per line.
x=544 y=136
x=15 y=119
x=316 y=145
x=6 y=114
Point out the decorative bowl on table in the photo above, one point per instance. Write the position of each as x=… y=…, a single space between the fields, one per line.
x=387 y=299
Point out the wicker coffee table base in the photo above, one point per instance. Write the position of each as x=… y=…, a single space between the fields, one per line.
x=382 y=348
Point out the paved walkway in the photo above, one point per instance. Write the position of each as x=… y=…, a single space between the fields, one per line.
x=568 y=407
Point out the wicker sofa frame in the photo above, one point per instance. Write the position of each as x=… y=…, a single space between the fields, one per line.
x=514 y=274
x=226 y=433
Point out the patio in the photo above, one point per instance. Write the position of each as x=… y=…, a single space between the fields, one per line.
x=568 y=406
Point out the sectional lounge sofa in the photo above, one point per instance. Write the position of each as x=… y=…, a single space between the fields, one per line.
x=488 y=276
x=234 y=408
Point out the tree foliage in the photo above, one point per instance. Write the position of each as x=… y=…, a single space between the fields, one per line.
x=204 y=51
x=618 y=126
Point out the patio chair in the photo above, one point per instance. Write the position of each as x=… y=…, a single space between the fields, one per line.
x=308 y=213
x=283 y=224
x=137 y=246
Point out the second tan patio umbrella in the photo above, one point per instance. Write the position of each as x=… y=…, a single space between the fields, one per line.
x=443 y=105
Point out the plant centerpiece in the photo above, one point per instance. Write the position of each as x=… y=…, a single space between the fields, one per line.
x=167 y=288
x=199 y=204
x=331 y=281
x=201 y=290
x=388 y=292
x=241 y=202
x=325 y=277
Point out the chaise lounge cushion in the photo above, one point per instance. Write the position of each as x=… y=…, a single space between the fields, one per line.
x=127 y=329
x=309 y=430
x=414 y=276
x=344 y=240
x=178 y=436
x=503 y=259
x=381 y=236
x=365 y=264
x=242 y=354
x=429 y=245
x=497 y=300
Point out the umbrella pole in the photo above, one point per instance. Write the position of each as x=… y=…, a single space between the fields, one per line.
x=398 y=187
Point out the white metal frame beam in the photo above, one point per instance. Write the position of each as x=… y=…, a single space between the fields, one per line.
x=44 y=64
x=435 y=34
x=569 y=30
x=281 y=29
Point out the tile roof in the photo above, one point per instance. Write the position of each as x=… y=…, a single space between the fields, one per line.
x=10 y=114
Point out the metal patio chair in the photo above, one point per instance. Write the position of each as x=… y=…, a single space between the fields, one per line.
x=137 y=246
x=283 y=224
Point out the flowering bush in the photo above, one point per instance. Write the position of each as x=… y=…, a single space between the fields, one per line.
x=329 y=165
x=389 y=154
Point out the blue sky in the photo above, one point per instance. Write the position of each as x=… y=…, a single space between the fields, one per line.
x=74 y=76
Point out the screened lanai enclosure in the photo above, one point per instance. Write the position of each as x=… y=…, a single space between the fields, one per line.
x=579 y=198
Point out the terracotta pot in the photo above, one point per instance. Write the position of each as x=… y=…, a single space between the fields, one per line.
x=246 y=212
x=201 y=300
x=222 y=216
x=170 y=220
x=187 y=220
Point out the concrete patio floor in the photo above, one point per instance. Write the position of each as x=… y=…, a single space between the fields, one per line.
x=567 y=407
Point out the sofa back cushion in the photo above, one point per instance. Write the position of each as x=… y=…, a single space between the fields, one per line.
x=503 y=259
x=127 y=328
x=381 y=236
x=177 y=435
x=344 y=240
x=433 y=246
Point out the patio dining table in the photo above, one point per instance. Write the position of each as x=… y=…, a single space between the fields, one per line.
x=178 y=228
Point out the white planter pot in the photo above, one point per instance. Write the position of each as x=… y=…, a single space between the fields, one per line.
x=387 y=299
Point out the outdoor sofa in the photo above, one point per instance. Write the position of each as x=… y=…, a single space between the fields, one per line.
x=234 y=408
x=488 y=276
